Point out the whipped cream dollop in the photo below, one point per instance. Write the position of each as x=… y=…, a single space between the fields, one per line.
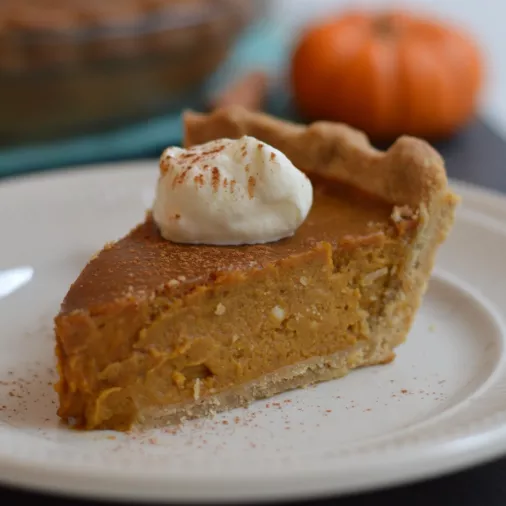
x=230 y=192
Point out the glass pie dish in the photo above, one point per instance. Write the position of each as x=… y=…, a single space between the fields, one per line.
x=70 y=66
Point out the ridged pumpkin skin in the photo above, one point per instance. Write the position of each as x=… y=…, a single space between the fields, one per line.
x=388 y=75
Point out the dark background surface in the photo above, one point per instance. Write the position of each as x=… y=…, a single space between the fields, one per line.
x=477 y=156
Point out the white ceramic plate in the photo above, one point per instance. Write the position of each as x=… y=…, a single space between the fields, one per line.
x=440 y=406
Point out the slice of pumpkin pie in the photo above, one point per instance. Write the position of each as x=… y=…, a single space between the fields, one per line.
x=251 y=277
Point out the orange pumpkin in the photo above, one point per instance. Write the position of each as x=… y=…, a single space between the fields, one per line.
x=388 y=74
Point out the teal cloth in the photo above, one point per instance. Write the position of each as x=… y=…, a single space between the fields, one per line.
x=262 y=46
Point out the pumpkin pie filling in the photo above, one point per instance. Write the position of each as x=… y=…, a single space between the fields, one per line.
x=154 y=331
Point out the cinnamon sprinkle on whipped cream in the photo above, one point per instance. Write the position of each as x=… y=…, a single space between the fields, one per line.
x=230 y=192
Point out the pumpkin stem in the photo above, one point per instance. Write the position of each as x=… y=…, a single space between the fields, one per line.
x=385 y=25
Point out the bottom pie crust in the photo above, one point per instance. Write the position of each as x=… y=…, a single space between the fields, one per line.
x=300 y=375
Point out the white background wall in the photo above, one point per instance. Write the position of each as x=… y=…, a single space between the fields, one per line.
x=486 y=19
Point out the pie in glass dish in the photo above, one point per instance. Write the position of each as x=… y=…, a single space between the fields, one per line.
x=70 y=67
